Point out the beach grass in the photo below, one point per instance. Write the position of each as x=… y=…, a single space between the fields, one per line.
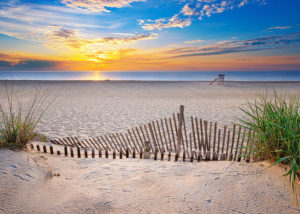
x=275 y=121
x=19 y=118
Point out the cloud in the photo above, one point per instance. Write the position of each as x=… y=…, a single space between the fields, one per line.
x=175 y=21
x=29 y=21
x=199 y=9
x=5 y=64
x=187 y=10
x=27 y=65
x=257 y=44
x=57 y=37
x=193 y=41
x=98 y=5
x=279 y=28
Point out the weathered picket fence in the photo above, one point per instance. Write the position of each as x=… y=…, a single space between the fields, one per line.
x=171 y=137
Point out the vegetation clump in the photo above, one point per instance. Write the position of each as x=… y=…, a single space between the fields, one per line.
x=275 y=121
x=19 y=119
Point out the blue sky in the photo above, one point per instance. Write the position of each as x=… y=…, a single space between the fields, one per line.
x=150 y=35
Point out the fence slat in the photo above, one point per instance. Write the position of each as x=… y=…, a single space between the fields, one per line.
x=107 y=146
x=173 y=135
x=135 y=146
x=209 y=137
x=198 y=134
x=224 y=138
x=186 y=138
x=159 y=132
x=247 y=144
x=219 y=142
x=193 y=132
x=215 y=137
x=119 y=143
x=149 y=139
x=140 y=138
x=202 y=137
x=95 y=143
x=126 y=142
x=179 y=133
x=241 y=147
x=168 y=132
x=232 y=143
x=175 y=124
x=152 y=135
x=100 y=143
x=164 y=133
x=120 y=140
x=206 y=136
x=136 y=139
x=227 y=147
x=116 y=145
x=182 y=140
x=237 y=143
x=156 y=136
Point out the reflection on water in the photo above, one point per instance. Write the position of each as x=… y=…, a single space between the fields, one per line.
x=158 y=76
x=95 y=76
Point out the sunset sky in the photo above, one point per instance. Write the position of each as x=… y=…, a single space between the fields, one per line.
x=149 y=35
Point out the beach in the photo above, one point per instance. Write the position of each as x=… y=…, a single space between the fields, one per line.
x=93 y=108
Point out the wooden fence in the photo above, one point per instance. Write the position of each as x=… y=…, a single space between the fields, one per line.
x=172 y=137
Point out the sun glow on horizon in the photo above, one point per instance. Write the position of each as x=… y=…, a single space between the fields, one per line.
x=93 y=76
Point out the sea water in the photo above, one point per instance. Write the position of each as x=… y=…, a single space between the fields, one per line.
x=152 y=76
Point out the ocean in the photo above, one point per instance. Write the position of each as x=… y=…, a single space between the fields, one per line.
x=152 y=76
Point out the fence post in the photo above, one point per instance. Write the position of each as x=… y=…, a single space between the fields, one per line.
x=155 y=153
x=72 y=152
x=162 y=154
x=66 y=151
x=127 y=152
x=93 y=153
x=179 y=137
x=192 y=156
x=44 y=149
x=114 y=153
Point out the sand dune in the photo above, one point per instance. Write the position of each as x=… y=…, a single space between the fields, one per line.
x=134 y=186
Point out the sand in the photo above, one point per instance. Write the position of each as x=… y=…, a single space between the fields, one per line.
x=88 y=109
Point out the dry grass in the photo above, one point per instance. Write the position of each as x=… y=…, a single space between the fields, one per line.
x=18 y=119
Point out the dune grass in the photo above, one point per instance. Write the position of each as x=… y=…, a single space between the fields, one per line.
x=19 y=118
x=275 y=121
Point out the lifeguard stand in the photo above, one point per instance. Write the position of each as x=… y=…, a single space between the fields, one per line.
x=219 y=80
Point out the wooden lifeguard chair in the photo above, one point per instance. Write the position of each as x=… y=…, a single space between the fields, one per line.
x=219 y=80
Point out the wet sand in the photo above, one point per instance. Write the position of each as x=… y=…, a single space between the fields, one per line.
x=89 y=109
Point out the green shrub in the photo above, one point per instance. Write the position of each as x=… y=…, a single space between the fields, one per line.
x=275 y=121
x=18 y=119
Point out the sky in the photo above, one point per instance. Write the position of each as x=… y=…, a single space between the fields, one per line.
x=150 y=35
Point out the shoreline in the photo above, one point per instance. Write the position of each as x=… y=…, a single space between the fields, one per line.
x=159 y=81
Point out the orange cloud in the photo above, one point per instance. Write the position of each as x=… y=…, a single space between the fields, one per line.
x=98 y=5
